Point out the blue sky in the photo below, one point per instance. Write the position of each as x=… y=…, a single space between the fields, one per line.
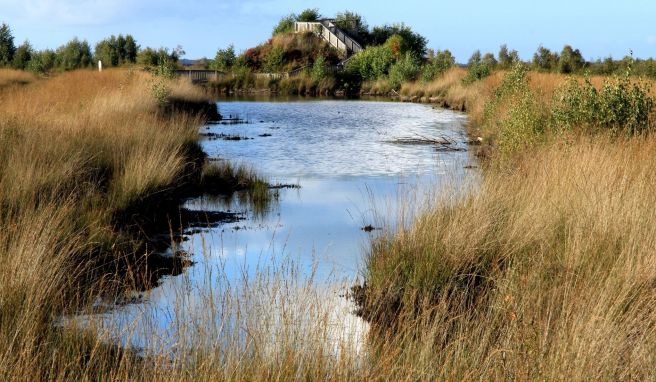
x=597 y=28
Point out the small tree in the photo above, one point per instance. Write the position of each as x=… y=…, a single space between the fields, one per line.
x=438 y=64
x=7 y=48
x=309 y=15
x=22 y=56
x=489 y=60
x=285 y=25
x=131 y=50
x=477 y=68
x=353 y=24
x=415 y=42
x=545 y=60
x=225 y=58
x=570 y=61
x=274 y=59
x=507 y=59
x=43 y=61
x=405 y=69
x=318 y=71
x=75 y=54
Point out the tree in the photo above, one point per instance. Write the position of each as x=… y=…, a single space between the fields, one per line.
x=115 y=51
x=75 y=54
x=225 y=58
x=353 y=24
x=438 y=63
x=507 y=58
x=150 y=57
x=475 y=59
x=570 y=61
x=478 y=69
x=285 y=25
x=544 y=59
x=7 y=47
x=489 y=60
x=309 y=15
x=107 y=52
x=22 y=56
x=131 y=49
x=415 y=42
x=43 y=61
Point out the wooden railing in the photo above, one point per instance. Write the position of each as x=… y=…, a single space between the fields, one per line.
x=200 y=75
x=331 y=33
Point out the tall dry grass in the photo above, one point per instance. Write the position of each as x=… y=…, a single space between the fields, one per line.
x=10 y=77
x=547 y=272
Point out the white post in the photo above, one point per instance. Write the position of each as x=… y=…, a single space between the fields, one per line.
x=99 y=66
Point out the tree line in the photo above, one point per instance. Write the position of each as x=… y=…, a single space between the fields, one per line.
x=78 y=54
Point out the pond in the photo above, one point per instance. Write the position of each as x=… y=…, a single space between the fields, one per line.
x=358 y=165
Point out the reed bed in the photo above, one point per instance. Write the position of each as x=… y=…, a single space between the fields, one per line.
x=545 y=271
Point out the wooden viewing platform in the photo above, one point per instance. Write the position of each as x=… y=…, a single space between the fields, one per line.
x=331 y=33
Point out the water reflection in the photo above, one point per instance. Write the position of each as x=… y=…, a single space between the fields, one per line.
x=308 y=242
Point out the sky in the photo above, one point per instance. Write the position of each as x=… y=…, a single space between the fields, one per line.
x=598 y=28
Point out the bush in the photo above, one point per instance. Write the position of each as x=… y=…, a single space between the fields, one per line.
x=225 y=58
x=619 y=107
x=478 y=69
x=570 y=61
x=414 y=41
x=372 y=63
x=545 y=60
x=22 y=56
x=150 y=57
x=507 y=59
x=514 y=113
x=75 y=54
x=404 y=70
x=319 y=71
x=115 y=51
x=274 y=60
x=353 y=24
x=285 y=25
x=437 y=65
x=42 y=62
x=309 y=15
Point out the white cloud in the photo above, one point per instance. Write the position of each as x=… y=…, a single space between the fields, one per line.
x=651 y=40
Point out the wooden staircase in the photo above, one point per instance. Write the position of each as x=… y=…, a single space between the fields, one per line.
x=332 y=34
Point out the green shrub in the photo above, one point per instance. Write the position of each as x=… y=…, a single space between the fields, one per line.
x=274 y=60
x=478 y=69
x=285 y=25
x=225 y=59
x=319 y=71
x=439 y=63
x=75 y=54
x=507 y=59
x=372 y=63
x=405 y=69
x=570 y=61
x=414 y=41
x=619 y=107
x=22 y=56
x=353 y=24
x=309 y=15
x=115 y=51
x=514 y=113
x=42 y=62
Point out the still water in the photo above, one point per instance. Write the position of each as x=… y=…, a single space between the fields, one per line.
x=352 y=172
